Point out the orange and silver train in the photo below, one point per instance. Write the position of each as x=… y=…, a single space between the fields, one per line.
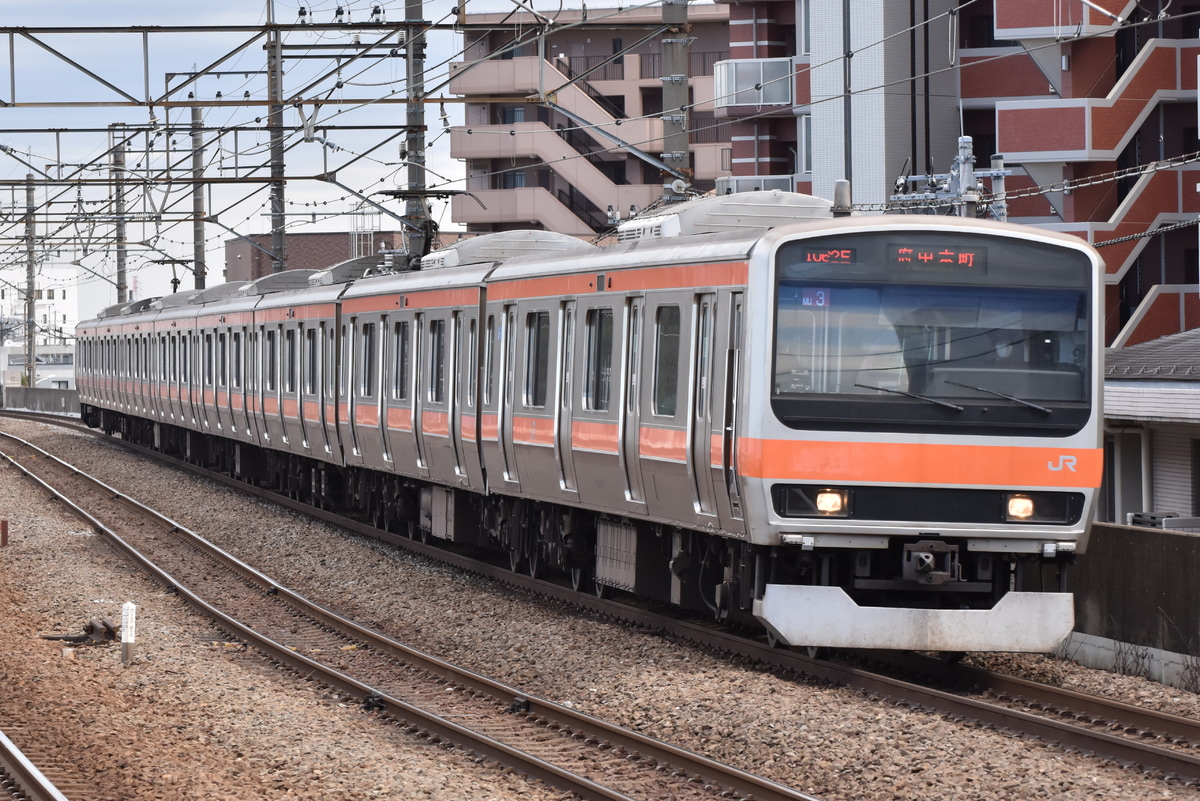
x=861 y=431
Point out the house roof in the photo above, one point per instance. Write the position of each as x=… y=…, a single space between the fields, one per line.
x=1171 y=358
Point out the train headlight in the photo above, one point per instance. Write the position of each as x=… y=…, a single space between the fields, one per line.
x=1037 y=507
x=1020 y=507
x=833 y=503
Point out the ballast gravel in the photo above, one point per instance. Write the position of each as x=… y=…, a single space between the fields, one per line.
x=194 y=716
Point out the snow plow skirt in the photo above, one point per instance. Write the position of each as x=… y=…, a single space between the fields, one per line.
x=826 y=617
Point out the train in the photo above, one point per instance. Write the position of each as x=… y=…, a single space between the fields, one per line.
x=852 y=431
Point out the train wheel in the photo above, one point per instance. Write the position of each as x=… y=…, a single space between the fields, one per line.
x=535 y=560
x=515 y=558
x=578 y=578
x=602 y=591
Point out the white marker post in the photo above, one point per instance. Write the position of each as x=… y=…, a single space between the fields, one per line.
x=128 y=625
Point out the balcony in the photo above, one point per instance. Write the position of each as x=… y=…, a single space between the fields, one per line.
x=1098 y=129
x=758 y=183
x=524 y=207
x=753 y=82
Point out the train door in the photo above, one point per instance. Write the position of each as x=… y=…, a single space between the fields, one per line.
x=421 y=378
x=563 y=409
x=508 y=371
x=465 y=427
x=238 y=381
x=724 y=472
x=629 y=428
x=346 y=378
x=700 y=421
x=381 y=391
x=452 y=375
x=401 y=445
x=308 y=410
x=665 y=448
x=329 y=384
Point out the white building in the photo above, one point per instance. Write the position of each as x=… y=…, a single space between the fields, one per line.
x=56 y=313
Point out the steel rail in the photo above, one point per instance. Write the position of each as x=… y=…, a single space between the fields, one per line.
x=743 y=783
x=1170 y=762
x=32 y=782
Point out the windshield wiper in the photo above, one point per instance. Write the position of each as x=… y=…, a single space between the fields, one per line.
x=912 y=395
x=1006 y=396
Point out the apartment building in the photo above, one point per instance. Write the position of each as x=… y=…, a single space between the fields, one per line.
x=594 y=148
x=1069 y=92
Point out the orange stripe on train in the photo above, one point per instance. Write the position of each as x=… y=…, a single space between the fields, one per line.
x=913 y=463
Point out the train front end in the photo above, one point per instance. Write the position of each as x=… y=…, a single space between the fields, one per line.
x=925 y=445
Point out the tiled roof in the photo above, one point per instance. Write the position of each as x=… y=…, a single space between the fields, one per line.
x=1171 y=358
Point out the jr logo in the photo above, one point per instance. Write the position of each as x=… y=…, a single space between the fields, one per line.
x=1063 y=461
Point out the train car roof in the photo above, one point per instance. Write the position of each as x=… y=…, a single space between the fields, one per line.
x=723 y=213
x=727 y=246
x=420 y=280
x=501 y=246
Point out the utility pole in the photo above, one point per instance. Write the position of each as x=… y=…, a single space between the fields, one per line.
x=30 y=289
x=199 y=270
x=415 y=210
x=676 y=44
x=118 y=176
x=274 y=49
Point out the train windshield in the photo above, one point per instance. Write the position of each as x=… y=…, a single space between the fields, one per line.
x=864 y=340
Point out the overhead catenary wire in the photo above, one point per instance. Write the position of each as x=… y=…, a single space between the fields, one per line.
x=166 y=207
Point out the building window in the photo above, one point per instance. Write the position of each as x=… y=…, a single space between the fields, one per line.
x=513 y=180
x=805 y=149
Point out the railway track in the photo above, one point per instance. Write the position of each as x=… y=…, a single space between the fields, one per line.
x=1129 y=735
x=426 y=696
x=22 y=780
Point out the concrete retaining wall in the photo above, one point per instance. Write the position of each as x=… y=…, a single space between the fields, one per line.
x=60 y=401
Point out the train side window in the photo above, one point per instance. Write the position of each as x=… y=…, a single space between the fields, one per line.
x=437 y=361
x=598 y=375
x=472 y=369
x=272 y=362
x=400 y=370
x=163 y=375
x=183 y=360
x=489 y=359
x=329 y=359
x=310 y=361
x=223 y=359
x=703 y=357
x=537 y=357
x=236 y=360
x=344 y=370
x=369 y=364
x=666 y=360
x=208 y=358
x=289 y=363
